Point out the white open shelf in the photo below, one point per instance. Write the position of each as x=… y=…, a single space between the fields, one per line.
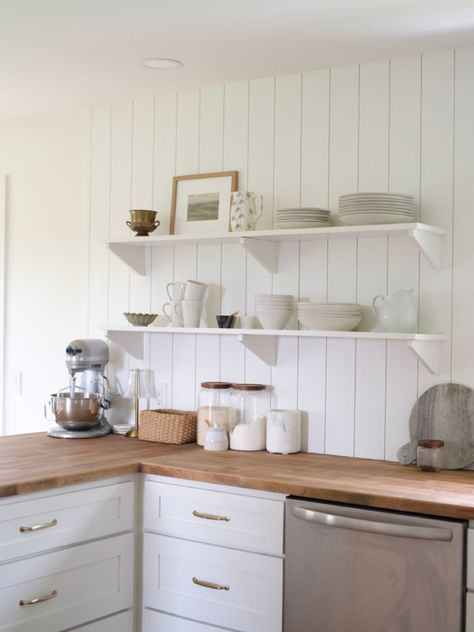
x=263 y=342
x=263 y=244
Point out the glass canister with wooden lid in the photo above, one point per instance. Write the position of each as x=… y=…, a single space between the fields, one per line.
x=248 y=417
x=214 y=406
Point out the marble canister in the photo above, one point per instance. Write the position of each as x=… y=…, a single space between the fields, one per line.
x=284 y=431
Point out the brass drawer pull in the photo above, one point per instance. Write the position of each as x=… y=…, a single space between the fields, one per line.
x=32 y=602
x=202 y=582
x=38 y=527
x=207 y=516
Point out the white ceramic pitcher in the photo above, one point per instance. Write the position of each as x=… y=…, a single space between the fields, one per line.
x=246 y=209
x=397 y=312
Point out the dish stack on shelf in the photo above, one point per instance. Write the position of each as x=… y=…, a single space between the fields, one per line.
x=376 y=208
x=306 y=217
x=274 y=310
x=329 y=316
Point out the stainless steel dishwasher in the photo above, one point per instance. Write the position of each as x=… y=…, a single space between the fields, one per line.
x=363 y=570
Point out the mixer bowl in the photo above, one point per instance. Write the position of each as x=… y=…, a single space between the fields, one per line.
x=77 y=411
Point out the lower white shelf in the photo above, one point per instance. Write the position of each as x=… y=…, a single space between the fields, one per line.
x=263 y=342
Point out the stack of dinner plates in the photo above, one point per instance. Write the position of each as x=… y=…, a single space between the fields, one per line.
x=329 y=316
x=305 y=217
x=376 y=208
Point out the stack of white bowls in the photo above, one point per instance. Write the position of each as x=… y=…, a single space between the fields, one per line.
x=274 y=310
x=376 y=208
x=329 y=316
x=306 y=217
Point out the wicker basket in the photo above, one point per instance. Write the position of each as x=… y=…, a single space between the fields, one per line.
x=168 y=426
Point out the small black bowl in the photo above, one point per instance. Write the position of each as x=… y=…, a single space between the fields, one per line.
x=225 y=322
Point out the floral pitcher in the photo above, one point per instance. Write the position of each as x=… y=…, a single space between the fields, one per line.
x=246 y=209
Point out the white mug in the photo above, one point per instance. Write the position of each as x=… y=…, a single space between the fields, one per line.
x=175 y=315
x=247 y=322
x=191 y=310
x=246 y=209
x=175 y=290
x=194 y=291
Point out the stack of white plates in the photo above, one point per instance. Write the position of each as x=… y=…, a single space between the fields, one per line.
x=121 y=429
x=376 y=208
x=274 y=310
x=329 y=316
x=306 y=217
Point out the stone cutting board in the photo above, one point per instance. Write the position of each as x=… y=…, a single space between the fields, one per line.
x=444 y=411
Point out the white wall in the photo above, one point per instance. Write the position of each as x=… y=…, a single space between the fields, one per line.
x=46 y=158
x=401 y=125
x=301 y=139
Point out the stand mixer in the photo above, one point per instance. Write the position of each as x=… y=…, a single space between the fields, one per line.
x=79 y=408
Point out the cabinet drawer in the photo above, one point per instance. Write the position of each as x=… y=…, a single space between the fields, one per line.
x=65 y=518
x=90 y=581
x=160 y=622
x=470 y=612
x=227 y=519
x=121 y=622
x=251 y=601
x=470 y=559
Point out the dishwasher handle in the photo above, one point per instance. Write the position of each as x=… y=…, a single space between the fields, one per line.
x=372 y=526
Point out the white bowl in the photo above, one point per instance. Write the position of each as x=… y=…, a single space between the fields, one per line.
x=271 y=319
x=272 y=296
x=331 y=324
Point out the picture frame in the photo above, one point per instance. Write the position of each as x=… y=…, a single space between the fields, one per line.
x=200 y=203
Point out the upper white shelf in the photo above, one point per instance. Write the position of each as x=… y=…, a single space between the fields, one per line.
x=263 y=342
x=263 y=244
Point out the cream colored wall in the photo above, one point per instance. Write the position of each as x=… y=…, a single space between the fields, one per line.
x=46 y=160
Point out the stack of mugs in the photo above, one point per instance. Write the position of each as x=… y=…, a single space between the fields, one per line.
x=186 y=302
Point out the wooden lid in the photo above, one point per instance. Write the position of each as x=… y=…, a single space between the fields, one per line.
x=216 y=385
x=430 y=443
x=249 y=387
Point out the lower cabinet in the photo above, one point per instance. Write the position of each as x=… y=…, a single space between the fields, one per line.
x=196 y=584
x=161 y=622
x=84 y=578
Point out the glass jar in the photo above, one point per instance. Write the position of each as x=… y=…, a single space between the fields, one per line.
x=429 y=455
x=248 y=417
x=214 y=403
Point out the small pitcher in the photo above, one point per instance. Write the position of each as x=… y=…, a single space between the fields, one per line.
x=246 y=209
x=396 y=313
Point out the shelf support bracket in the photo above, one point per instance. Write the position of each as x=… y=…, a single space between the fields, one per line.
x=428 y=352
x=133 y=342
x=265 y=252
x=264 y=347
x=131 y=255
x=430 y=244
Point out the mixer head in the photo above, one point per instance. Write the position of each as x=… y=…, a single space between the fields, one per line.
x=87 y=354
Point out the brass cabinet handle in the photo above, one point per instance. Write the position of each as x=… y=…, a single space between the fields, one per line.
x=38 y=527
x=32 y=602
x=205 y=584
x=207 y=516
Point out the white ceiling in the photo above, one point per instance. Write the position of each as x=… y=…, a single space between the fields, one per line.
x=58 y=54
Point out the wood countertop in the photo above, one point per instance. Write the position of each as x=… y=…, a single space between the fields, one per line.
x=36 y=462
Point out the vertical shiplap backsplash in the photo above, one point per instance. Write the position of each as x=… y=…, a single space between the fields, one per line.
x=299 y=140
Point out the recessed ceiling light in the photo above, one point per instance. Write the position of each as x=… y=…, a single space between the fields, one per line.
x=161 y=63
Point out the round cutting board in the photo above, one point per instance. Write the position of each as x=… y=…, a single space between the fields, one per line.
x=446 y=412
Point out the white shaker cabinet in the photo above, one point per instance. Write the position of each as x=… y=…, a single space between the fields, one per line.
x=213 y=556
x=67 y=558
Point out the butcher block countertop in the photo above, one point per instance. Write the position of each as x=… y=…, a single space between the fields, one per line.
x=36 y=462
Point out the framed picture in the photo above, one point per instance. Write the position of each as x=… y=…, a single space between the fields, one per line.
x=201 y=203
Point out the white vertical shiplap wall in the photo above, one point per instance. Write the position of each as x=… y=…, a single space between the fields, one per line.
x=3 y=218
x=401 y=125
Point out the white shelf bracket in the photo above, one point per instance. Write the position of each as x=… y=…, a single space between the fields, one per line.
x=430 y=244
x=265 y=252
x=264 y=347
x=428 y=352
x=133 y=256
x=133 y=342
